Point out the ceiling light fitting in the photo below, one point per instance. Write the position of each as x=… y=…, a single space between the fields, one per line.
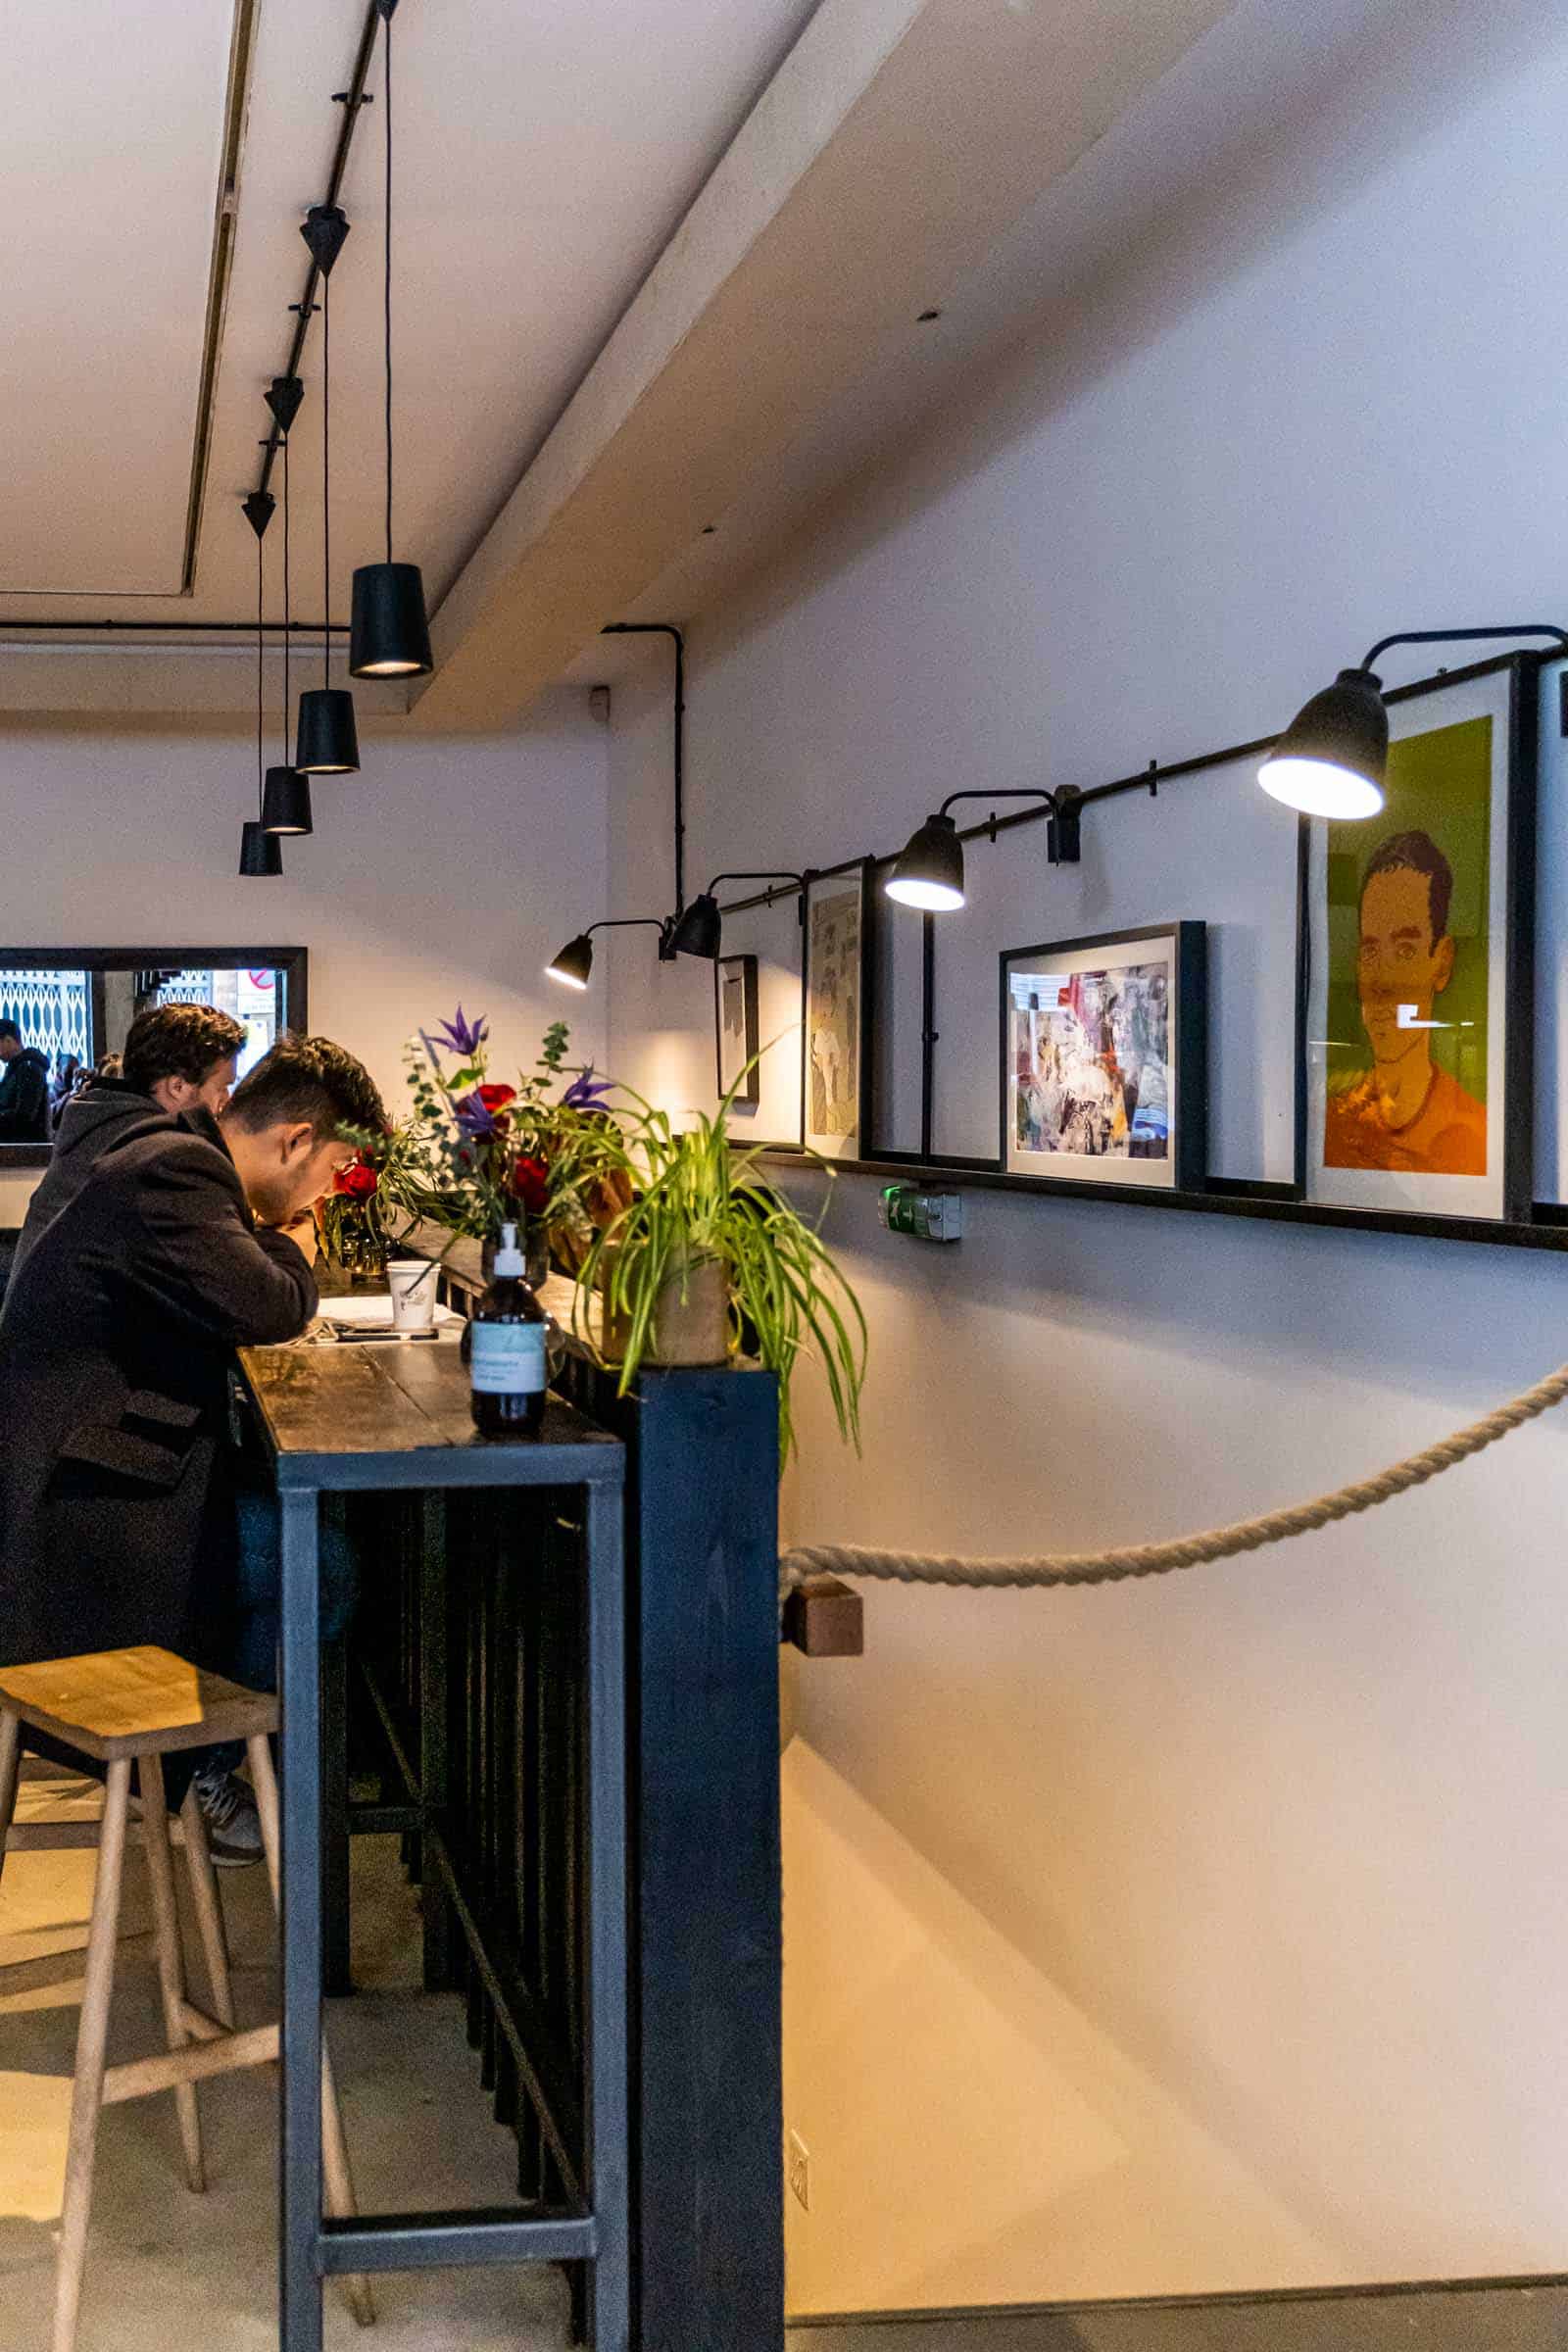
x=573 y=964
x=699 y=929
x=286 y=794
x=259 y=851
x=1333 y=758
x=928 y=873
x=389 y=634
x=327 y=740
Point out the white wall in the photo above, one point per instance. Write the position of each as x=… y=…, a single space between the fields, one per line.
x=1203 y=1934
x=431 y=875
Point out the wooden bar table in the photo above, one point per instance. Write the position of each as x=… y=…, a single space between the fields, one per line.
x=372 y=1418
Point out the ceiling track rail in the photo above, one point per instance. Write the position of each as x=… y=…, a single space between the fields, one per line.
x=353 y=101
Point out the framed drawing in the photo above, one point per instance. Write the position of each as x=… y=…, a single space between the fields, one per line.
x=735 y=1027
x=1104 y=1058
x=836 y=1071
x=1418 y=930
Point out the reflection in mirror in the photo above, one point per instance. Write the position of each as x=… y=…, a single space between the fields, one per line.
x=64 y=1015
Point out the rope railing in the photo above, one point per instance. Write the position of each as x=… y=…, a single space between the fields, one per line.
x=1115 y=1566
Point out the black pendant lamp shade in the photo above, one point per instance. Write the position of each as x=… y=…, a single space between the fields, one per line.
x=326 y=741
x=286 y=802
x=260 y=852
x=1332 y=759
x=574 y=963
x=929 y=872
x=700 y=930
x=389 y=636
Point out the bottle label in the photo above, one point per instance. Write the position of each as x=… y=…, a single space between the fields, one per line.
x=507 y=1360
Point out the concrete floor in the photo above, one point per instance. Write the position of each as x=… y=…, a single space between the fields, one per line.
x=168 y=2270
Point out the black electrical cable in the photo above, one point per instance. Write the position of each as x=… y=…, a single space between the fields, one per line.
x=261 y=689
x=286 y=760
x=386 y=289
x=326 y=477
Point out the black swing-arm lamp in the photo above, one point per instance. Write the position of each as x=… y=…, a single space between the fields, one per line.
x=1332 y=759
x=929 y=871
x=573 y=964
x=699 y=929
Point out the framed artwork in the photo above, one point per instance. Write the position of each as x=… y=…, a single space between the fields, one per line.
x=1104 y=1059
x=735 y=1027
x=836 y=1071
x=1418 y=932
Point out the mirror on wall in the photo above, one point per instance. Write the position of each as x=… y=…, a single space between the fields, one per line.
x=74 y=1007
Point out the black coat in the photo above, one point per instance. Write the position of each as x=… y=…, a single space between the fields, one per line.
x=103 y=1113
x=116 y=1506
x=25 y=1098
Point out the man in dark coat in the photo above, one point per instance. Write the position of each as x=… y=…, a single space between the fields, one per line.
x=178 y=1057
x=24 y=1089
x=116 y=1519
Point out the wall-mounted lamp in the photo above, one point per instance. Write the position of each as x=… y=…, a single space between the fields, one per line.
x=929 y=871
x=572 y=965
x=700 y=930
x=1333 y=758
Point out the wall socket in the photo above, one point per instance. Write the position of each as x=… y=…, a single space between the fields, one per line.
x=797 y=2170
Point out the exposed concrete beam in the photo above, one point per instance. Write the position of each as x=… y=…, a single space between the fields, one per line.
x=897 y=142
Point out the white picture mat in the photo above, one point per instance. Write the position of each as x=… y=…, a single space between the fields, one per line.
x=1098 y=1167
x=1395 y=1189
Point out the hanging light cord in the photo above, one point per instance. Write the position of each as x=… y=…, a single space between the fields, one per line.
x=327 y=478
x=386 y=288
x=261 y=757
x=288 y=763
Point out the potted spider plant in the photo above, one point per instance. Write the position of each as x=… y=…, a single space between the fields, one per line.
x=707 y=1251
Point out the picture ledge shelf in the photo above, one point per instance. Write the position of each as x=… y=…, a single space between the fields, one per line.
x=1231 y=1197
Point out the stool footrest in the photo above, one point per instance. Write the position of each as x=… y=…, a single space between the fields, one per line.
x=49 y=1836
x=140 y=2078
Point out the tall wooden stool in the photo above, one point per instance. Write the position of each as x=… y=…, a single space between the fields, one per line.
x=119 y=1706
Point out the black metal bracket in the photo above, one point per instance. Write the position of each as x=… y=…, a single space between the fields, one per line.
x=353 y=97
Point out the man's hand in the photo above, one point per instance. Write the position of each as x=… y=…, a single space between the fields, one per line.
x=300 y=1231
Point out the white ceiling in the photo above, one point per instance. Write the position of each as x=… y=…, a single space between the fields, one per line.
x=545 y=154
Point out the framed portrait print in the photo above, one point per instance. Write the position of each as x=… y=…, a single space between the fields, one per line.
x=1418 y=930
x=735 y=1027
x=836 y=1062
x=1103 y=1071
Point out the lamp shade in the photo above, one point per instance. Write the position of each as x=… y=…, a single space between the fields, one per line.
x=286 y=802
x=326 y=741
x=1333 y=757
x=389 y=636
x=929 y=873
x=260 y=852
x=572 y=965
x=700 y=930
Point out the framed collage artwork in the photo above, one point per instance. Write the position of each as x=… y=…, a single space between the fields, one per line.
x=836 y=1059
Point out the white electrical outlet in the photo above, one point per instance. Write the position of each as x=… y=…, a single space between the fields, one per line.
x=798 y=2166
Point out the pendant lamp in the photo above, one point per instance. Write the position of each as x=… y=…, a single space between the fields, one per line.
x=326 y=739
x=700 y=927
x=260 y=852
x=389 y=636
x=286 y=794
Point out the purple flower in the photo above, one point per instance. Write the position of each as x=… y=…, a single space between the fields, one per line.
x=586 y=1092
x=460 y=1036
x=474 y=1117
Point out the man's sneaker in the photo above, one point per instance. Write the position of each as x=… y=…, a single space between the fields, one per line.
x=233 y=1825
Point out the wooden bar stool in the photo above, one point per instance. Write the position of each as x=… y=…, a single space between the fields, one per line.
x=121 y=1706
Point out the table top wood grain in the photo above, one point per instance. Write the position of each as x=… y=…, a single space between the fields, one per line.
x=383 y=1415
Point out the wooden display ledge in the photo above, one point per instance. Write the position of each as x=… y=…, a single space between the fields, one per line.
x=823 y=1618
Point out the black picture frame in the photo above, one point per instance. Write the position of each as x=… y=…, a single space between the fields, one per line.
x=292 y=962
x=749 y=1090
x=856 y=871
x=1521 y=766
x=1188 y=1161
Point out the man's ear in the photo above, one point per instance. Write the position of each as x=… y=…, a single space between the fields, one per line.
x=1441 y=964
x=299 y=1141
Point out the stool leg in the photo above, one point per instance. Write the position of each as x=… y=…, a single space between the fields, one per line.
x=171 y=1964
x=207 y=1908
x=336 y=2176
x=10 y=1767
x=91 y=2042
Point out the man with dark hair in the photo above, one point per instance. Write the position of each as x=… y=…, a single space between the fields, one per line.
x=178 y=1057
x=1406 y=1112
x=116 y=1479
x=24 y=1089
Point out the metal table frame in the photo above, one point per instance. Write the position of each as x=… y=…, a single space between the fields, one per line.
x=315 y=2247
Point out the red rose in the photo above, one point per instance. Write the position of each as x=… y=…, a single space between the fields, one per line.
x=530 y=1181
x=496 y=1098
x=356 y=1182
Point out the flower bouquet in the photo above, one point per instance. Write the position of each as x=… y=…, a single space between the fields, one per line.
x=352 y=1224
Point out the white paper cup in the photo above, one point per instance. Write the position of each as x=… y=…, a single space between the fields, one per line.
x=412 y=1282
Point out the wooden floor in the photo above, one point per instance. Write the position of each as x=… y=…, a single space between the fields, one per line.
x=1515 y=2319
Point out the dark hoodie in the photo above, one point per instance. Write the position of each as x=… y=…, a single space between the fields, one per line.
x=105 y=1112
x=25 y=1098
